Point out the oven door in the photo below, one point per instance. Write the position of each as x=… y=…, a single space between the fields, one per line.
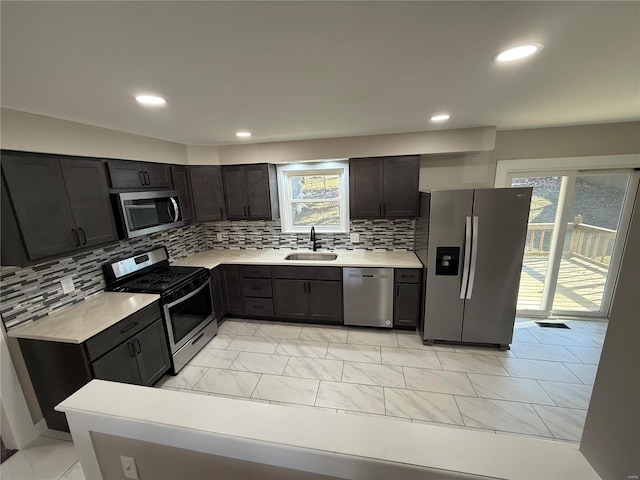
x=187 y=315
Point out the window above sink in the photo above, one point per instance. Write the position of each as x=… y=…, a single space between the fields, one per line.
x=314 y=195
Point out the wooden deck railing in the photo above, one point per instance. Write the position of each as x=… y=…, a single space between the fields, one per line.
x=588 y=242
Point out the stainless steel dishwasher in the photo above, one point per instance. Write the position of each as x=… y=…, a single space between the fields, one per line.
x=368 y=296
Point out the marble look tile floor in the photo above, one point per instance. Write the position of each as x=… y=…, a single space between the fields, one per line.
x=541 y=387
x=389 y=374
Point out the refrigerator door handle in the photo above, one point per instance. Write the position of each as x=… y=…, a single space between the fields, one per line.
x=467 y=258
x=474 y=258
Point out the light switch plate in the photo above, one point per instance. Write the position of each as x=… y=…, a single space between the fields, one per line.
x=354 y=237
x=218 y=237
x=129 y=467
x=67 y=285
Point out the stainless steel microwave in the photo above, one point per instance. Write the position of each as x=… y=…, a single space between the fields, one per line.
x=143 y=213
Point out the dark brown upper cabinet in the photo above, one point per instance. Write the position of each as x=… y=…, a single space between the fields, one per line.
x=53 y=206
x=182 y=183
x=130 y=174
x=250 y=192
x=384 y=187
x=208 y=196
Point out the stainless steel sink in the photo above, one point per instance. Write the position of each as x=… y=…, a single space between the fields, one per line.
x=312 y=256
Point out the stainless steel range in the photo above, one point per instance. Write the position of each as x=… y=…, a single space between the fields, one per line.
x=185 y=294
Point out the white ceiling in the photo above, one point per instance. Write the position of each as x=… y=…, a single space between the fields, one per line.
x=299 y=70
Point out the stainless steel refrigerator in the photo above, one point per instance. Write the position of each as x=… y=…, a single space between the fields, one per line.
x=471 y=243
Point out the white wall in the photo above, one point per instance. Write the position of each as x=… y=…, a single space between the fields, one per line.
x=467 y=170
x=433 y=142
x=36 y=133
x=578 y=141
x=202 y=155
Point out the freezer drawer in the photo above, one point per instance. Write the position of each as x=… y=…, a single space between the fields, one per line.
x=368 y=296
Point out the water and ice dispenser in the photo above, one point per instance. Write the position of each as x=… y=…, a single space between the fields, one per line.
x=447 y=260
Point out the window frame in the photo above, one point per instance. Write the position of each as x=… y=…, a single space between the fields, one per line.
x=285 y=195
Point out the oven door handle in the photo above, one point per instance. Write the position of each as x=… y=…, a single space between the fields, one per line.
x=188 y=296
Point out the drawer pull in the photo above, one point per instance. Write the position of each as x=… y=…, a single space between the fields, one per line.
x=407 y=275
x=197 y=339
x=128 y=327
x=259 y=307
x=256 y=288
x=254 y=271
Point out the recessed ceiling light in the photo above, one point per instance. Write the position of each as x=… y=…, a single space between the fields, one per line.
x=516 y=53
x=443 y=117
x=150 y=100
x=243 y=134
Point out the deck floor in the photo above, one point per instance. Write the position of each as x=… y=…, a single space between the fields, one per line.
x=580 y=285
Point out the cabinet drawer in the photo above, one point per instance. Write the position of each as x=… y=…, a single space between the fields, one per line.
x=309 y=273
x=258 y=306
x=407 y=275
x=255 y=271
x=111 y=337
x=256 y=287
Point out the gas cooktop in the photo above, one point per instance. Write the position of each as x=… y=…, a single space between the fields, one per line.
x=148 y=272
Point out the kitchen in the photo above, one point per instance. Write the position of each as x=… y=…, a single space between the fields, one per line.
x=459 y=158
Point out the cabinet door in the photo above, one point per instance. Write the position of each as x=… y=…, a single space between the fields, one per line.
x=125 y=174
x=257 y=191
x=400 y=178
x=365 y=188
x=325 y=301
x=232 y=296
x=234 y=192
x=119 y=365
x=208 y=196
x=291 y=299
x=42 y=209
x=158 y=175
x=182 y=183
x=217 y=292
x=406 y=305
x=86 y=184
x=152 y=353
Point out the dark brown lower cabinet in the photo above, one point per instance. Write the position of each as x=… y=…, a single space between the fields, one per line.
x=231 y=290
x=135 y=350
x=141 y=360
x=317 y=301
x=290 y=298
x=216 y=288
x=406 y=302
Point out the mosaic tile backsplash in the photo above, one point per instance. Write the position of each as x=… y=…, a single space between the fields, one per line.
x=388 y=235
x=30 y=293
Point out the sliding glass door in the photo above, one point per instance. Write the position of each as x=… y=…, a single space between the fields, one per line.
x=574 y=240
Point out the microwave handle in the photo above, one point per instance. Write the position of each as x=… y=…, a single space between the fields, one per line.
x=176 y=211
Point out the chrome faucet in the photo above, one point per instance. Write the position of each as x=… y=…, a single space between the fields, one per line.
x=313 y=238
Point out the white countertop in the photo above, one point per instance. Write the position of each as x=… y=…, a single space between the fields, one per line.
x=346 y=258
x=81 y=321
x=312 y=440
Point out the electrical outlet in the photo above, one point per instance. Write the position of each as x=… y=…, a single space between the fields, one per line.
x=354 y=237
x=219 y=237
x=129 y=467
x=67 y=285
